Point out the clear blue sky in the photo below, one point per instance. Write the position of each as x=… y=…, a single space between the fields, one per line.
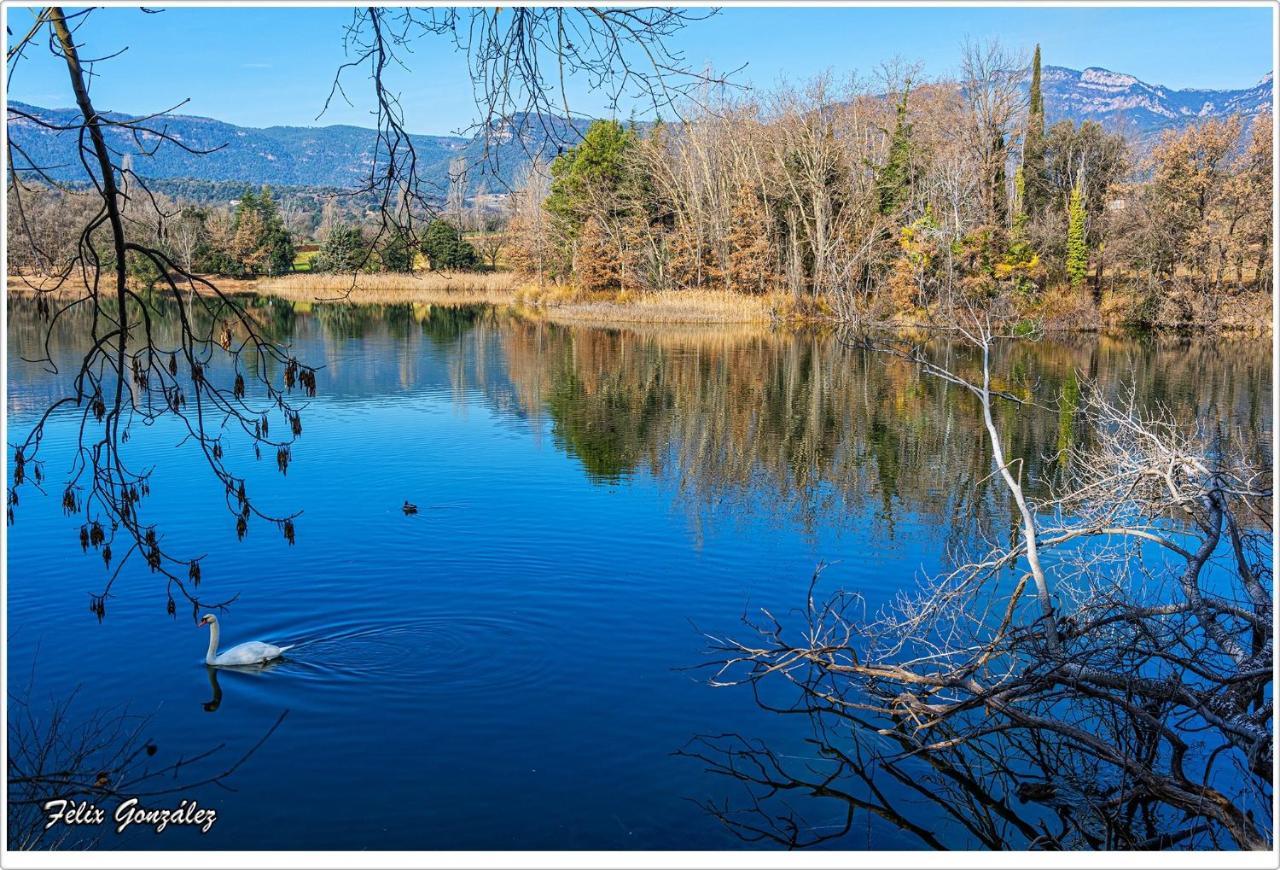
x=265 y=66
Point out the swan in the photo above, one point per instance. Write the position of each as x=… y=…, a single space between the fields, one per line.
x=252 y=653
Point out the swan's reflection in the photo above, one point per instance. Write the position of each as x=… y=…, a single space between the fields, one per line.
x=215 y=702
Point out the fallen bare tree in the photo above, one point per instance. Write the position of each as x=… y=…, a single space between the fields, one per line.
x=1102 y=679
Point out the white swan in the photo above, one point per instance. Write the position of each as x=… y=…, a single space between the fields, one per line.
x=252 y=653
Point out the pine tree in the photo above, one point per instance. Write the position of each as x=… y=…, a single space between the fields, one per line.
x=1077 y=247
x=262 y=245
x=344 y=251
x=396 y=253
x=446 y=248
x=1034 y=181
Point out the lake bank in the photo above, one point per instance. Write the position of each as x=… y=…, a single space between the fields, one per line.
x=1246 y=313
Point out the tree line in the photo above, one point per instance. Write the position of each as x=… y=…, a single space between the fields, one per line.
x=900 y=199
x=252 y=236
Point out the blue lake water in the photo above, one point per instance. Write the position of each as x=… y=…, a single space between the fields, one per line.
x=514 y=666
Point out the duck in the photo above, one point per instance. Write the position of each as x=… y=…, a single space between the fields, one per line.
x=252 y=653
x=409 y=508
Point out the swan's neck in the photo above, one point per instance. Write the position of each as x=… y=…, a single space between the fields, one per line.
x=213 y=644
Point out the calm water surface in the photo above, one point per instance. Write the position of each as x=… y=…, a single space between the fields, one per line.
x=510 y=668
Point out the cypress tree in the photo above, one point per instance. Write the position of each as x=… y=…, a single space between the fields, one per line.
x=895 y=174
x=1035 y=189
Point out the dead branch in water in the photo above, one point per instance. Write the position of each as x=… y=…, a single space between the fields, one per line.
x=1109 y=666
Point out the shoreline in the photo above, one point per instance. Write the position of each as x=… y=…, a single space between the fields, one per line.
x=562 y=304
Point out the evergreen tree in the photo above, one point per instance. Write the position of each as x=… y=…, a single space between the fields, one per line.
x=1077 y=246
x=396 y=253
x=589 y=172
x=262 y=245
x=344 y=251
x=1034 y=180
x=446 y=248
x=895 y=175
x=999 y=196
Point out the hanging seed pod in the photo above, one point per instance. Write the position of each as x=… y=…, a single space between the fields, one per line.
x=287 y=527
x=69 y=503
x=106 y=555
x=153 y=558
x=84 y=538
x=295 y=424
x=282 y=459
x=257 y=451
x=244 y=499
x=99 y=408
x=193 y=572
x=217 y=450
x=96 y=535
x=13 y=496
x=173 y=363
x=266 y=429
x=197 y=372
x=37 y=473
x=150 y=537
x=237 y=389
x=290 y=374
x=19 y=464
x=224 y=338
x=241 y=527
x=172 y=608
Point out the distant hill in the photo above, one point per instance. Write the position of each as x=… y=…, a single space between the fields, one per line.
x=1123 y=102
x=339 y=156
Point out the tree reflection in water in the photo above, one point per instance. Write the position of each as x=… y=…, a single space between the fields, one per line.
x=1108 y=668
x=801 y=429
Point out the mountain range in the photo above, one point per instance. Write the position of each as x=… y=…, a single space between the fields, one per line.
x=1143 y=111
x=340 y=156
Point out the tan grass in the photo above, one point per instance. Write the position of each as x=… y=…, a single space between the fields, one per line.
x=430 y=287
x=679 y=306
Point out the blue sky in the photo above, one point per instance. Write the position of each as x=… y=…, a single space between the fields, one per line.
x=264 y=66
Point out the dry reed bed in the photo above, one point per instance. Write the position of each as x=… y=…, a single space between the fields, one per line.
x=431 y=287
x=683 y=306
